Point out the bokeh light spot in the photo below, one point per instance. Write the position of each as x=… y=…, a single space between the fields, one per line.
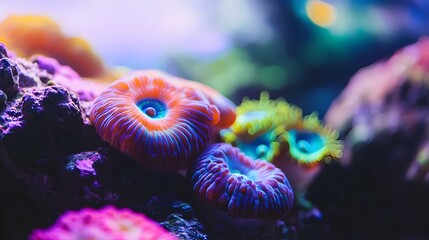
x=321 y=13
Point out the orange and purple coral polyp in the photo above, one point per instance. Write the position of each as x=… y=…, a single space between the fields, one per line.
x=226 y=179
x=225 y=106
x=162 y=126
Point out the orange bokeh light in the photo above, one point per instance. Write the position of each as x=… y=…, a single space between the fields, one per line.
x=321 y=13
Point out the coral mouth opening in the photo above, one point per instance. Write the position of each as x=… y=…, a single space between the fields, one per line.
x=306 y=142
x=257 y=148
x=236 y=168
x=152 y=108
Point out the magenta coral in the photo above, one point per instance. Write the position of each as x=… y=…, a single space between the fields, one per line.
x=163 y=126
x=225 y=178
x=108 y=223
x=410 y=62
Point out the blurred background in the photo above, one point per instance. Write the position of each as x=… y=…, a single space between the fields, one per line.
x=302 y=50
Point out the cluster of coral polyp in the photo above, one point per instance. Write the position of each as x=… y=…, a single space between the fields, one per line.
x=165 y=124
x=102 y=224
x=276 y=131
x=148 y=134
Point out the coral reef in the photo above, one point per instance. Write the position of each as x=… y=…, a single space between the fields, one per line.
x=69 y=166
x=52 y=153
x=148 y=143
x=106 y=223
x=162 y=126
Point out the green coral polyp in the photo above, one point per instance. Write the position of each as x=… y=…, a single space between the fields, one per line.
x=311 y=142
x=255 y=130
x=272 y=129
x=305 y=146
x=255 y=117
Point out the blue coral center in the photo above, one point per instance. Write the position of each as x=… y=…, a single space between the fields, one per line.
x=152 y=108
x=236 y=167
x=306 y=142
x=257 y=148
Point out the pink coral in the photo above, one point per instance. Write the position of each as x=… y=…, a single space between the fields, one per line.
x=108 y=223
x=371 y=84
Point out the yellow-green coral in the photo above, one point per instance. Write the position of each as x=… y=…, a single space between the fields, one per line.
x=255 y=130
x=255 y=117
x=273 y=129
x=311 y=142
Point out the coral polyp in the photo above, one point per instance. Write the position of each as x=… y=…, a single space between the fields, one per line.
x=108 y=223
x=256 y=116
x=309 y=144
x=226 y=179
x=225 y=106
x=310 y=141
x=256 y=131
x=161 y=125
